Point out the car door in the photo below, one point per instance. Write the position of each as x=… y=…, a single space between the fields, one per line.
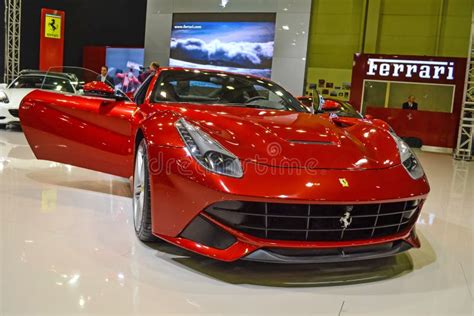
x=85 y=131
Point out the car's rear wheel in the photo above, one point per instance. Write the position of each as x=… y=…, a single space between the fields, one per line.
x=141 y=195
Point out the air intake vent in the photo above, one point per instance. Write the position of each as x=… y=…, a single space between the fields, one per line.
x=316 y=222
x=14 y=112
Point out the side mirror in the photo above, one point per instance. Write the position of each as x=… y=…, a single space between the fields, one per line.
x=308 y=102
x=99 y=88
x=368 y=117
x=80 y=85
x=330 y=106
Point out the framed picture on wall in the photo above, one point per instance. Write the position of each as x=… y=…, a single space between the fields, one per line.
x=329 y=84
x=321 y=83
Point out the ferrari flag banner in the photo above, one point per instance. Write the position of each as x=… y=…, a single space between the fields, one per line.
x=52 y=26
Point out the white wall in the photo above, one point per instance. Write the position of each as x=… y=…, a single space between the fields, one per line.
x=289 y=59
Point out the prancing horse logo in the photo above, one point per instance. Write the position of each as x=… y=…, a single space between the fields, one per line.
x=344 y=182
x=346 y=220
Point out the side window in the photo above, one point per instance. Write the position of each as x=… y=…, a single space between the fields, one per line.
x=140 y=95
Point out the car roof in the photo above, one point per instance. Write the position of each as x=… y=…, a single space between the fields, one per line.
x=63 y=75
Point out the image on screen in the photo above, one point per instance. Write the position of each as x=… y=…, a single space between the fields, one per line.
x=227 y=42
x=125 y=67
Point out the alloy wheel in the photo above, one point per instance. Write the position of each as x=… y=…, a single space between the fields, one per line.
x=139 y=188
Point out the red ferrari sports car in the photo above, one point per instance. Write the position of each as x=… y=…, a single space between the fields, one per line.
x=234 y=167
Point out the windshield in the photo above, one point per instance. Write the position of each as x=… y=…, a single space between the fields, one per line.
x=348 y=111
x=42 y=81
x=200 y=87
x=76 y=76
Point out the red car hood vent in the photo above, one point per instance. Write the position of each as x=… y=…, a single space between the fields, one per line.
x=294 y=140
x=310 y=142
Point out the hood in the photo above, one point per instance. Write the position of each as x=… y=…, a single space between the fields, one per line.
x=15 y=96
x=295 y=140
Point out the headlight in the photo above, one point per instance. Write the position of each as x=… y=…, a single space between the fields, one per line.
x=408 y=158
x=207 y=151
x=3 y=97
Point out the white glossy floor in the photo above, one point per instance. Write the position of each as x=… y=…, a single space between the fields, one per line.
x=68 y=247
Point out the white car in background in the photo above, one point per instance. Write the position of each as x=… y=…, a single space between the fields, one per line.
x=11 y=95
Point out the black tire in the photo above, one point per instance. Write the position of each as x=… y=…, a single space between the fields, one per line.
x=143 y=224
x=3 y=126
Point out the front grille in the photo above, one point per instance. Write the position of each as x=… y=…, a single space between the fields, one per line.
x=14 y=112
x=315 y=222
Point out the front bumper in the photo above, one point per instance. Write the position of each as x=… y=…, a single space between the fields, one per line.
x=180 y=196
x=231 y=245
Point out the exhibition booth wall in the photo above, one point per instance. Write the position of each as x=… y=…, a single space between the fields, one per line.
x=340 y=28
x=106 y=22
x=281 y=54
x=381 y=85
x=335 y=29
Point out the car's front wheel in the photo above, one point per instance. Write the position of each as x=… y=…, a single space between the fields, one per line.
x=141 y=195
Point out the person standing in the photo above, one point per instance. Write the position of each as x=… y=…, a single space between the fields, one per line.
x=151 y=70
x=104 y=77
x=154 y=66
x=410 y=104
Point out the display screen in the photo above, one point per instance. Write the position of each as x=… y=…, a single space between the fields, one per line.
x=241 y=43
x=125 y=67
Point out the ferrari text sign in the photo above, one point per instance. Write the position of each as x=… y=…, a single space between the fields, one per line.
x=406 y=68
x=52 y=26
x=437 y=82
